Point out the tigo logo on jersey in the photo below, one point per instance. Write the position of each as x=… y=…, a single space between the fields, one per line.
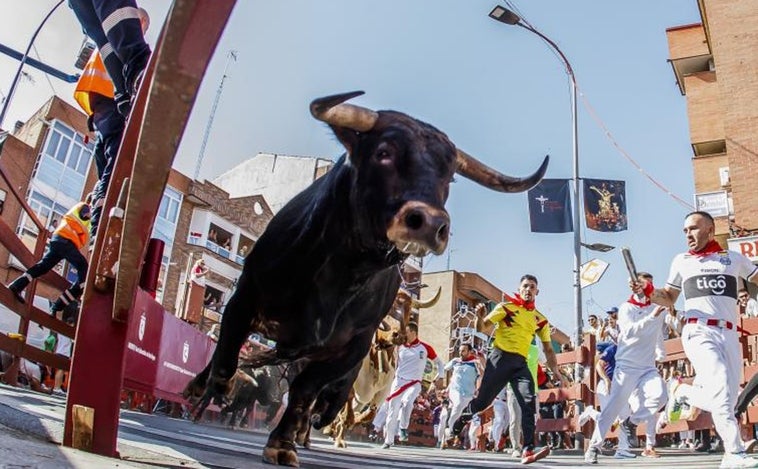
x=711 y=285
x=716 y=285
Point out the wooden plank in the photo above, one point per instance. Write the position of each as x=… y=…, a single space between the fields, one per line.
x=84 y=425
x=555 y=425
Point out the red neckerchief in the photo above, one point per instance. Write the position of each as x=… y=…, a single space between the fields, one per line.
x=470 y=359
x=415 y=342
x=633 y=300
x=648 y=290
x=518 y=301
x=709 y=248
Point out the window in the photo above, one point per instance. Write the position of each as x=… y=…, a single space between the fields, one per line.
x=68 y=148
x=170 y=203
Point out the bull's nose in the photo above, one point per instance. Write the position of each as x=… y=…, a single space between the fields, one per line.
x=428 y=224
x=418 y=228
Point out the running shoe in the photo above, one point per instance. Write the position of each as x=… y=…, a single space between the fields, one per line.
x=650 y=453
x=624 y=454
x=590 y=457
x=675 y=405
x=737 y=460
x=529 y=455
x=403 y=435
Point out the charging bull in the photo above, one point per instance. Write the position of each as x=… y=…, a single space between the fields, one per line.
x=326 y=270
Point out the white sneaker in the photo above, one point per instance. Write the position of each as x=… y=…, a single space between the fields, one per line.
x=586 y=415
x=590 y=457
x=737 y=460
x=674 y=406
x=622 y=454
x=516 y=453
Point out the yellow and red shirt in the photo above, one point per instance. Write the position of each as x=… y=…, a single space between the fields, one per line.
x=516 y=324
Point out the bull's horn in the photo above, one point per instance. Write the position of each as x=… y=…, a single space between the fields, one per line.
x=473 y=169
x=383 y=326
x=428 y=303
x=330 y=109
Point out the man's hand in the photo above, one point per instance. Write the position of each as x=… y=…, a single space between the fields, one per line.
x=607 y=384
x=480 y=308
x=636 y=287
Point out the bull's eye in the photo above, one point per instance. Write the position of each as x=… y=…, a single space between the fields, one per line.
x=383 y=156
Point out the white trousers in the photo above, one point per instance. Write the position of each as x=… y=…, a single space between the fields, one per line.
x=380 y=418
x=651 y=396
x=716 y=358
x=458 y=402
x=439 y=431
x=399 y=410
x=499 y=421
x=514 y=410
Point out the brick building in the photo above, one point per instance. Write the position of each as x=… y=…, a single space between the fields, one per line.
x=48 y=161
x=716 y=68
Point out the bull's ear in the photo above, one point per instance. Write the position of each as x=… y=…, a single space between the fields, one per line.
x=349 y=138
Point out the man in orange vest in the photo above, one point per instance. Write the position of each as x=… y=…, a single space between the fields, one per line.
x=68 y=239
x=115 y=27
x=103 y=101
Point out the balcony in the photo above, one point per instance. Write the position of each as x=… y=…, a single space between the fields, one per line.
x=689 y=52
x=214 y=248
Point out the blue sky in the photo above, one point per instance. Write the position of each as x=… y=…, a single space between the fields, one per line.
x=497 y=91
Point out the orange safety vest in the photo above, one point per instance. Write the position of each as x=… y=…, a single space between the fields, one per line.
x=73 y=228
x=94 y=79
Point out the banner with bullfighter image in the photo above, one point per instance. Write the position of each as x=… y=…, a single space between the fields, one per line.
x=550 y=207
x=605 y=204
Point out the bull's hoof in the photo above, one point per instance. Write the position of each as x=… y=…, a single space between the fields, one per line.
x=280 y=456
x=340 y=443
x=303 y=438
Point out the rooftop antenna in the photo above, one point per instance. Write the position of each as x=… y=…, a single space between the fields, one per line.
x=231 y=56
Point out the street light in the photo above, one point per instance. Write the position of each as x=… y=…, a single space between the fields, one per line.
x=24 y=58
x=600 y=247
x=506 y=16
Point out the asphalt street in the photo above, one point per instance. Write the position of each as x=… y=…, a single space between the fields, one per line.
x=31 y=428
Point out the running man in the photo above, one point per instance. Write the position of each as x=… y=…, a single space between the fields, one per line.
x=708 y=276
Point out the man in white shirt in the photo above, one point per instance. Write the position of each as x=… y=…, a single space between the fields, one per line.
x=748 y=306
x=640 y=325
x=411 y=361
x=708 y=276
x=462 y=386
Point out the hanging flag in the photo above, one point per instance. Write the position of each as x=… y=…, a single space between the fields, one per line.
x=550 y=207
x=605 y=204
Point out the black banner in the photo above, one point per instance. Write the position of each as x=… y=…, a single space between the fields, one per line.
x=550 y=207
x=605 y=204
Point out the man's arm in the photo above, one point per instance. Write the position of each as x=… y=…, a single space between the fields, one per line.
x=665 y=296
x=552 y=363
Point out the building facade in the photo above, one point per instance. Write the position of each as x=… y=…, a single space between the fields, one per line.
x=716 y=68
x=48 y=161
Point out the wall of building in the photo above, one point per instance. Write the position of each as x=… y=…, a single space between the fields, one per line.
x=733 y=31
x=277 y=178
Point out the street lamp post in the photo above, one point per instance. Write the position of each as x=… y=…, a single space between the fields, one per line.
x=506 y=16
x=24 y=58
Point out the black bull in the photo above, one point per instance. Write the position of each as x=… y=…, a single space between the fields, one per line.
x=326 y=270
